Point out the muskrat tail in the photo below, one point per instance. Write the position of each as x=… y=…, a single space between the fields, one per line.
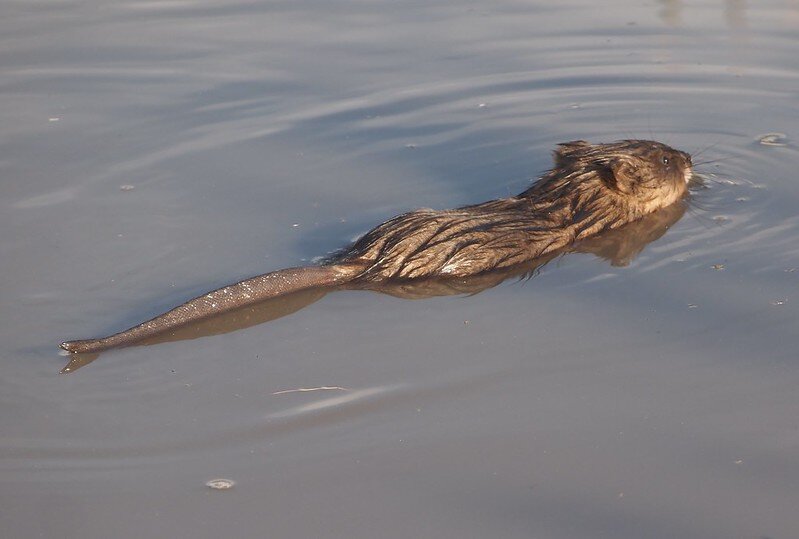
x=228 y=298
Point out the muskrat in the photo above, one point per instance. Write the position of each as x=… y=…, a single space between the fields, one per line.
x=591 y=188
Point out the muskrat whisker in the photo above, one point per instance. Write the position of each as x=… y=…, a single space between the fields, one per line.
x=705 y=221
x=713 y=161
x=704 y=206
x=703 y=150
x=702 y=216
x=695 y=204
x=699 y=178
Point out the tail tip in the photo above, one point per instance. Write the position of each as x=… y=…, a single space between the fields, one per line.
x=85 y=346
x=69 y=346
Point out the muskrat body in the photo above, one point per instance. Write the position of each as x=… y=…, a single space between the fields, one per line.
x=591 y=188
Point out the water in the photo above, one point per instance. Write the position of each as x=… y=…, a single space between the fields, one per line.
x=151 y=151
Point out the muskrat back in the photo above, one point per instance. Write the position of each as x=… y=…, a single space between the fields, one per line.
x=591 y=188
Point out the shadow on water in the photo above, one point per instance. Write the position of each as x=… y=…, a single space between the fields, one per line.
x=619 y=247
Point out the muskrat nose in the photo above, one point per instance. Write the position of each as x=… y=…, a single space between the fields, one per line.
x=687 y=158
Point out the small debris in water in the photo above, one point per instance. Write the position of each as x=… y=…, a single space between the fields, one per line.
x=410 y=146
x=721 y=219
x=778 y=302
x=482 y=105
x=126 y=187
x=718 y=267
x=53 y=119
x=220 y=484
x=742 y=199
x=790 y=270
x=773 y=139
x=295 y=225
x=692 y=306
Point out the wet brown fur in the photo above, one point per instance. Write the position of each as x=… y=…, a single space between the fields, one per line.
x=591 y=188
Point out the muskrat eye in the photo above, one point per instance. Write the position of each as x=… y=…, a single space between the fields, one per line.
x=665 y=160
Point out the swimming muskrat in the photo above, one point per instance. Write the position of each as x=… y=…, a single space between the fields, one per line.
x=591 y=188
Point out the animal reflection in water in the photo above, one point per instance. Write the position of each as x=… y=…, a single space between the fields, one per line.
x=619 y=247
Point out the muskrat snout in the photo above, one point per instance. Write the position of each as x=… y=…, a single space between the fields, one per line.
x=688 y=167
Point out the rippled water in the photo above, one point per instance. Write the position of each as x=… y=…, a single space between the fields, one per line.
x=151 y=151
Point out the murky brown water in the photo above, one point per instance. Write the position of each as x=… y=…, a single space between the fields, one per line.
x=596 y=400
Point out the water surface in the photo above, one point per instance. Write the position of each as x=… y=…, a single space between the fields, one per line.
x=151 y=151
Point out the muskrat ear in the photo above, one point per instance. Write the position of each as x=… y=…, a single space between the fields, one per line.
x=566 y=151
x=622 y=174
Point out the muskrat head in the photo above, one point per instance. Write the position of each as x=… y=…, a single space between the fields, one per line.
x=651 y=173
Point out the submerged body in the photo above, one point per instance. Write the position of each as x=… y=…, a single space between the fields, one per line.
x=591 y=188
